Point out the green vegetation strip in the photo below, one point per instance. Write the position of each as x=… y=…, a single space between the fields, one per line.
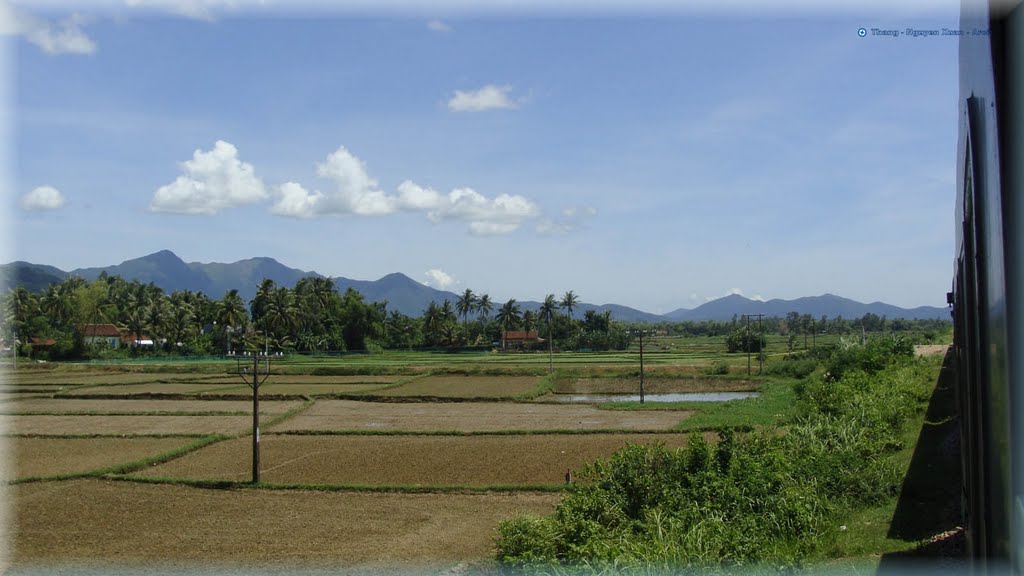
x=129 y=466
x=382 y=488
x=545 y=386
x=777 y=497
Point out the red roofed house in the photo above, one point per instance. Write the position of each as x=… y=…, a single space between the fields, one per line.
x=41 y=343
x=101 y=333
x=519 y=338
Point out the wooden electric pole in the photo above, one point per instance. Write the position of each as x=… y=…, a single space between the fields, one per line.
x=259 y=372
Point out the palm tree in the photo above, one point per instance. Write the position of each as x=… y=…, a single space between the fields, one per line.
x=529 y=319
x=432 y=321
x=464 y=305
x=447 y=312
x=569 y=301
x=259 y=303
x=56 y=305
x=232 y=314
x=547 y=313
x=281 y=314
x=137 y=306
x=485 y=306
x=508 y=318
x=22 y=306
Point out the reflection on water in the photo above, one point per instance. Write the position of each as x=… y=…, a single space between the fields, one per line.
x=687 y=397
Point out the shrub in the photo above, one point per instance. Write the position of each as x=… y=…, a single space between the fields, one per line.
x=764 y=496
x=795 y=368
x=717 y=369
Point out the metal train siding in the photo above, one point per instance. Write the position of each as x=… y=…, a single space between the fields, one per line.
x=988 y=285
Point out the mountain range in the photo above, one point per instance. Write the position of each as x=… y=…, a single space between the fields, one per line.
x=166 y=270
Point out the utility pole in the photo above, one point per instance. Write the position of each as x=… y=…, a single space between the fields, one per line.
x=259 y=373
x=760 y=336
x=641 y=366
x=640 y=333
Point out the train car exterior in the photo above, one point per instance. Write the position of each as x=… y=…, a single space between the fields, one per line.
x=988 y=285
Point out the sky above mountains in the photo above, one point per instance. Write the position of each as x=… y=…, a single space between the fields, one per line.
x=656 y=159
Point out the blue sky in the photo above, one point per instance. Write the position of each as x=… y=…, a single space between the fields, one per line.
x=655 y=159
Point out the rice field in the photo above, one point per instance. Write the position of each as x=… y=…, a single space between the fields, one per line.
x=453 y=386
x=40 y=457
x=476 y=461
x=66 y=425
x=372 y=460
x=468 y=417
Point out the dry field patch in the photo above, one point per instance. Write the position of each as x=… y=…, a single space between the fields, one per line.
x=30 y=389
x=334 y=415
x=120 y=406
x=157 y=388
x=54 y=377
x=50 y=456
x=271 y=387
x=128 y=525
x=342 y=379
x=653 y=385
x=467 y=386
x=406 y=460
x=55 y=425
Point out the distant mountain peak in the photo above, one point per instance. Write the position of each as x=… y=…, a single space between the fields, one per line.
x=159 y=255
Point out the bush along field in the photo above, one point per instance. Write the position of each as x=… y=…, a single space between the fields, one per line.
x=773 y=498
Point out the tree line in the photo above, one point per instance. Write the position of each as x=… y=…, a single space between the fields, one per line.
x=312 y=316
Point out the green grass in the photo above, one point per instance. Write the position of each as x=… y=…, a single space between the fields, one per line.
x=931 y=483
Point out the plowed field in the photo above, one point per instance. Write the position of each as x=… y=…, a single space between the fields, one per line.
x=467 y=386
x=59 y=425
x=411 y=460
x=157 y=388
x=107 y=406
x=50 y=456
x=134 y=525
x=335 y=415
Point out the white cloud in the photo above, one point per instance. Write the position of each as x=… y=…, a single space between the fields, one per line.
x=549 y=227
x=63 y=37
x=757 y=297
x=572 y=218
x=355 y=191
x=195 y=9
x=489 y=97
x=438 y=26
x=486 y=217
x=295 y=201
x=42 y=198
x=439 y=279
x=212 y=181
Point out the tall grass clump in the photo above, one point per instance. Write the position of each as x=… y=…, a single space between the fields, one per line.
x=772 y=497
